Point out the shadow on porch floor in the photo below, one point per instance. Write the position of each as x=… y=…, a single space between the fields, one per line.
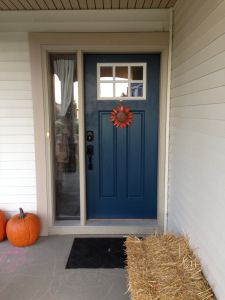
x=38 y=273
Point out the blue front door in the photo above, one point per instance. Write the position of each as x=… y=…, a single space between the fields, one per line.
x=121 y=165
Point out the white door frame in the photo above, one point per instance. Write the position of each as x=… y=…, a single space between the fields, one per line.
x=40 y=45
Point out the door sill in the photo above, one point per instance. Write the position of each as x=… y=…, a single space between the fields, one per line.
x=106 y=227
x=122 y=222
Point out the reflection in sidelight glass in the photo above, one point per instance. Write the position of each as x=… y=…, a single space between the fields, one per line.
x=65 y=146
x=136 y=73
x=121 y=89
x=121 y=73
x=106 y=73
x=137 y=89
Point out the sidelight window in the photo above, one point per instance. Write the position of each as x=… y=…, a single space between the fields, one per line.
x=65 y=137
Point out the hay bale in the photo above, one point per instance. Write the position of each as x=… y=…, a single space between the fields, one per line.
x=164 y=267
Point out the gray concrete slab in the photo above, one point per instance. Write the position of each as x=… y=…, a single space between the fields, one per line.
x=38 y=273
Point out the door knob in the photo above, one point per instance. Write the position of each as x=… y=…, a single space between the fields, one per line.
x=90 y=152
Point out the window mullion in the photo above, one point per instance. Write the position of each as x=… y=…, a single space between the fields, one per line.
x=129 y=85
x=114 y=87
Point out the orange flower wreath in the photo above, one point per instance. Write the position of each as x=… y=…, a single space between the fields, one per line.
x=121 y=116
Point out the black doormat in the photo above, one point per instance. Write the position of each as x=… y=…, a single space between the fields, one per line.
x=92 y=253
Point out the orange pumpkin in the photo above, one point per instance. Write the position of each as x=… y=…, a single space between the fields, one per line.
x=3 y=222
x=23 y=229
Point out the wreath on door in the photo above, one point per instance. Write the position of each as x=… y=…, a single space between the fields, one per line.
x=121 y=116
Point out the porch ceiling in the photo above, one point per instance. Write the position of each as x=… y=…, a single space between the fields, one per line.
x=83 y=4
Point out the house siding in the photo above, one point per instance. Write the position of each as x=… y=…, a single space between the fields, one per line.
x=196 y=203
x=17 y=157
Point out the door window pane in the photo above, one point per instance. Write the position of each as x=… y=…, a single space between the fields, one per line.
x=121 y=89
x=106 y=90
x=121 y=73
x=65 y=146
x=137 y=89
x=106 y=73
x=136 y=73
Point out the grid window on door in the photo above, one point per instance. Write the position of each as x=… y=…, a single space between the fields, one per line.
x=121 y=81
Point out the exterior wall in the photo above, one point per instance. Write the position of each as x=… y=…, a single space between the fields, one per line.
x=197 y=133
x=17 y=158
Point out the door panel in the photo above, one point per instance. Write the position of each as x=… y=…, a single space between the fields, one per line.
x=135 y=157
x=123 y=181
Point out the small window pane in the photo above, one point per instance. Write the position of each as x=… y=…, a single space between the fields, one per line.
x=136 y=73
x=121 y=89
x=121 y=73
x=106 y=73
x=137 y=89
x=106 y=90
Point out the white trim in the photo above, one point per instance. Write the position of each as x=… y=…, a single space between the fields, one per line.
x=161 y=191
x=168 y=120
x=48 y=131
x=99 y=20
x=81 y=138
x=128 y=81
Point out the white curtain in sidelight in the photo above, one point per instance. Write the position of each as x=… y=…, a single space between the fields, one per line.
x=64 y=69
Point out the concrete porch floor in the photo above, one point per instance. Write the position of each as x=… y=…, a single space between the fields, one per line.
x=38 y=273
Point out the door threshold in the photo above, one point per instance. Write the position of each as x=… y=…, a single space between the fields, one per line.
x=122 y=222
x=106 y=227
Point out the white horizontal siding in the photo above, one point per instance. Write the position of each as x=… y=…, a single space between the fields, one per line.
x=8 y=56
x=16 y=121
x=201 y=41
x=200 y=56
x=17 y=182
x=215 y=79
x=197 y=133
x=14 y=139
x=7 y=156
x=13 y=208
x=17 y=85
x=17 y=148
x=17 y=157
x=15 y=104
x=200 y=70
x=15 y=66
x=13 y=130
x=209 y=112
x=17 y=165
x=15 y=76
x=15 y=94
x=208 y=96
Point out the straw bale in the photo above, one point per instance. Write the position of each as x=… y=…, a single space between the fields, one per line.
x=163 y=267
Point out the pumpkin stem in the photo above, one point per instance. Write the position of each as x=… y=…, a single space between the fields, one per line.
x=22 y=214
